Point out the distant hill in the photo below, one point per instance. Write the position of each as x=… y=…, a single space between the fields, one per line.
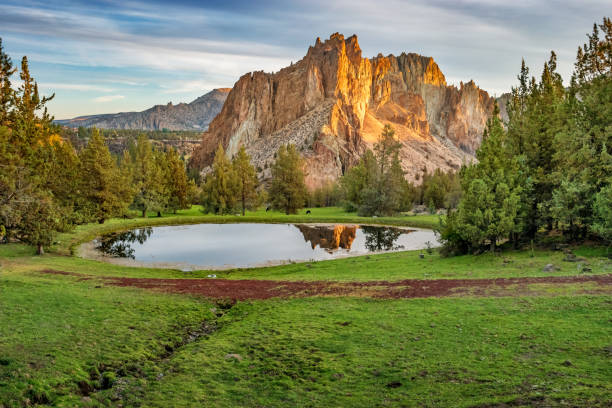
x=184 y=116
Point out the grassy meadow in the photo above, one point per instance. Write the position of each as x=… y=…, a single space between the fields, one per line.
x=67 y=341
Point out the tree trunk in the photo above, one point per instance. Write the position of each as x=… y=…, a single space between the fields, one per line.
x=243 y=202
x=159 y=213
x=144 y=213
x=493 y=243
x=101 y=221
x=40 y=250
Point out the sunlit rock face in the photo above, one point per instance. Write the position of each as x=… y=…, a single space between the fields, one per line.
x=329 y=237
x=333 y=104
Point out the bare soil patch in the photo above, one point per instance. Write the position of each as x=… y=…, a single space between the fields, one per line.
x=409 y=288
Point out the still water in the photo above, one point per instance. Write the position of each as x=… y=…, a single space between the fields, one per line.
x=248 y=245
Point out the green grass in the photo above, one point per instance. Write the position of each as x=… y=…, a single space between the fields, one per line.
x=59 y=335
x=56 y=332
x=437 y=352
x=390 y=267
x=68 y=342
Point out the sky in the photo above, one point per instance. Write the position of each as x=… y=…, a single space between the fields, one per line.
x=128 y=55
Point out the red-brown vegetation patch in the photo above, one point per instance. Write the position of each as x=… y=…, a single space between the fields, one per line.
x=410 y=288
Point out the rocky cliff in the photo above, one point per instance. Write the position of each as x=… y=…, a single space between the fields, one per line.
x=185 y=116
x=333 y=105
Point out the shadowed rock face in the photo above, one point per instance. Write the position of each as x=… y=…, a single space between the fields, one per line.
x=333 y=104
x=184 y=116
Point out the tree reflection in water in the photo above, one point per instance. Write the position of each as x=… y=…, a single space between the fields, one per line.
x=118 y=245
x=382 y=238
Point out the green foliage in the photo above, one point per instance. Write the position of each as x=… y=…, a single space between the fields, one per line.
x=552 y=167
x=376 y=185
x=246 y=179
x=357 y=179
x=489 y=207
x=165 y=134
x=28 y=159
x=177 y=185
x=104 y=187
x=603 y=213
x=147 y=177
x=221 y=188
x=327 y=195
x=39 y=222
x=439 y=189
x=6 y=90
x=287 y=190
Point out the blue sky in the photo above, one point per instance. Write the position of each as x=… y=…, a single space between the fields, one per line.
x=111 y=56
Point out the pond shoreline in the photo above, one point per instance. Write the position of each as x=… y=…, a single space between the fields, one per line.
x=89 y=251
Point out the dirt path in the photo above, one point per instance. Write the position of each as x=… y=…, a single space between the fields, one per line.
x=410 y=288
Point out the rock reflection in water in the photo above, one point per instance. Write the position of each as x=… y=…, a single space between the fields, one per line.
x=329 y=237
x=250 y=244
x=332 y=237
x=119 y=245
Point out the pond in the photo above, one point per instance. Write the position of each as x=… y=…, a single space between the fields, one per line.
x=222 y=246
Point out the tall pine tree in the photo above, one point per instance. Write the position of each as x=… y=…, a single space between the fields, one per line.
x=220 y=191
x=246 y=179
x=103 y=186
x=287 y=189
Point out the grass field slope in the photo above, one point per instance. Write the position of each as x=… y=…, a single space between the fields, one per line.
x=387 y=330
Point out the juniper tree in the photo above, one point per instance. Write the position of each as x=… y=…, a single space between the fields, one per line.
x=287 y=189
x=491 y=194
x=146 y=177
x=177 y=185
x=220 y=190
x=105 y=189
x=246 y=179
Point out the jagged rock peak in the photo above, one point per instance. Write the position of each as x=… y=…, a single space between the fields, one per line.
x=333 y=104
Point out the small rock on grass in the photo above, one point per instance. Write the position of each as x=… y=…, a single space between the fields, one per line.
x=234 y=356
x=550 y=268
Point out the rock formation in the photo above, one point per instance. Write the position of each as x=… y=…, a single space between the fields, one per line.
x=333 y=105
x=184 y=116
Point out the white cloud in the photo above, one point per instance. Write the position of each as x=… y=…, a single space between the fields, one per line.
x=74 y=87
x=191 y=86
x=108 y=98
x=150 y=51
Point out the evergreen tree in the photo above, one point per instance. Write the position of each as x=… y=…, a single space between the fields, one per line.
x=246 y=179
x=147 y=178
x=220 y=191
x=356 y=179
x=6 y=90
x=536 y=115
x=104 y=188
x=40 y=220
x=62 y=179
x=491 y=194
x=27 y=209
x=177 y=185
x=584 y=155
x=377 y=186
x=602 y=224
x=287 y=189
